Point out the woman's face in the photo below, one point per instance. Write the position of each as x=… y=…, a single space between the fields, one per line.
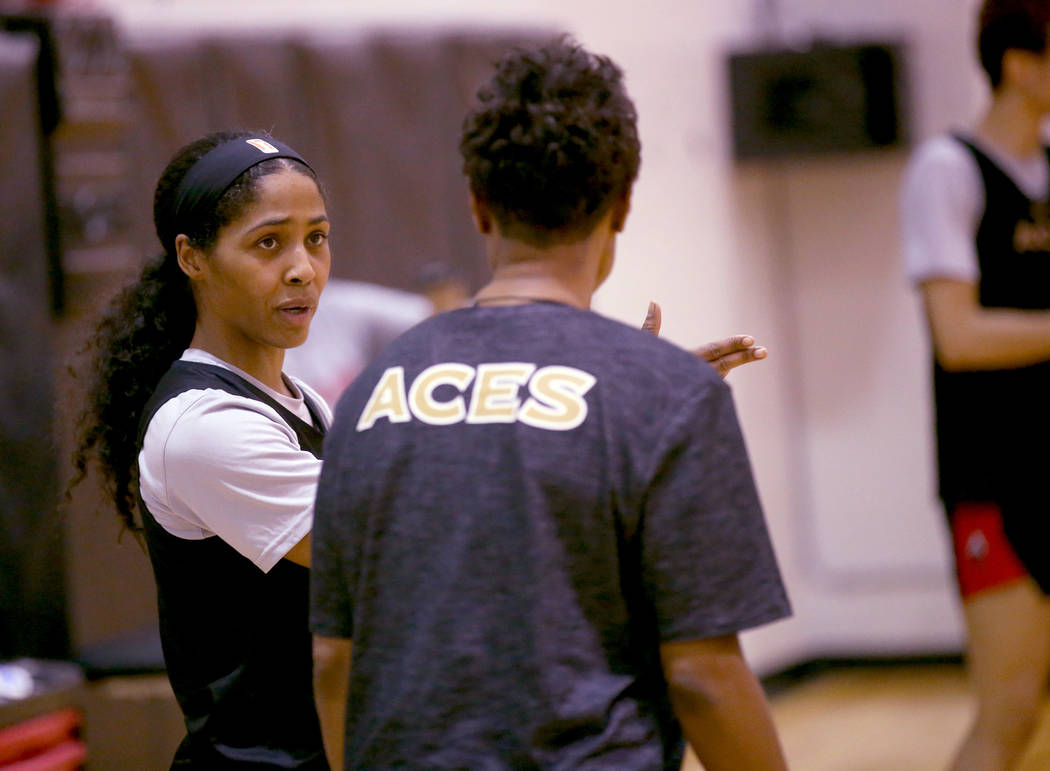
x=260 y=283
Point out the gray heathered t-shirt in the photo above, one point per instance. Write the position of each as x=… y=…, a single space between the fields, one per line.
x=517 y=506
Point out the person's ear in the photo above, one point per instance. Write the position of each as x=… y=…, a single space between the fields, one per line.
x=481 y=215
x=190 y=258
x=620 y=211
x=605 y=262
x=1015 y=65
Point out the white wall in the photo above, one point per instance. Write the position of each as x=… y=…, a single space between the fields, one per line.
x=801 y=254
x=867 y=552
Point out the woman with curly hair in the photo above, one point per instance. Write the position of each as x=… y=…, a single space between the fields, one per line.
x=195 y=425
x=536 y=532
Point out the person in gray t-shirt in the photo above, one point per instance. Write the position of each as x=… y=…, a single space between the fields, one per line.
x=538 y=526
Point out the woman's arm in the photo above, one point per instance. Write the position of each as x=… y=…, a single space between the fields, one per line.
x=723 y=355
x=331 y=681
x=721 y=706
x=968 y=336
x=300 y=553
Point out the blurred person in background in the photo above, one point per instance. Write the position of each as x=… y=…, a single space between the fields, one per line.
x=443 y=285
x=352 y=325
x=358 y=319
x=976 y=233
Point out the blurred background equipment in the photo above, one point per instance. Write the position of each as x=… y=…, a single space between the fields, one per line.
x=48 y=115
x=39 y=720
x=825 y=98
x=32 y=557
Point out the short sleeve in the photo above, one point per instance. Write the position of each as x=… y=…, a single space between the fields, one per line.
x=708 y=564
x=232 y=468
x=941 y=202
x=331 y=612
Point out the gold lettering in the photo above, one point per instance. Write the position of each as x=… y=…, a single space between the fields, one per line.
x=556 y=402
x=421 y=395
x=387 y=400
x=495 y=398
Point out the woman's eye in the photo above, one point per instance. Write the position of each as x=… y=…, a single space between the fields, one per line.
x=269 y=242
x=318 y=237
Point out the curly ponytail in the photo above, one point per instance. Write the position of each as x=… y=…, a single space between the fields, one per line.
x=147 y=327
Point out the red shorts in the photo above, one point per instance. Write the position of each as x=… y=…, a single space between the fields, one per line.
x=984 y=559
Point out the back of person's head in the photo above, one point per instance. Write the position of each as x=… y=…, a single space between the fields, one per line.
x=552 y=144
x=151 y=322
x=1010 y=24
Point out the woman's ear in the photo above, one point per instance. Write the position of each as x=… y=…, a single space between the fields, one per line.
x=1017 y=66
x=619 y=212
x=482 y=217
x=189 y=257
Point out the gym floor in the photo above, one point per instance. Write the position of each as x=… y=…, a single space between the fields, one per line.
x=901 y=717
x=858 y=717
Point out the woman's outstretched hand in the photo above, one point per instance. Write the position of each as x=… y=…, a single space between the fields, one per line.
x=723 y=355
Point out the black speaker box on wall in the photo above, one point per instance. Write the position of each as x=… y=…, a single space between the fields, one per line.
x=828 y=98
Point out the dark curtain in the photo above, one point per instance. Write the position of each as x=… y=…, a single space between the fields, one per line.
x=32 y=585
x=377 y=112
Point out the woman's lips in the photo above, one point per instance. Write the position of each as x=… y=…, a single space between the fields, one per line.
x=296 y=311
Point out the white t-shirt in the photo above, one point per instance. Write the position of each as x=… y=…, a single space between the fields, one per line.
x=214 y=463
x=942 y=202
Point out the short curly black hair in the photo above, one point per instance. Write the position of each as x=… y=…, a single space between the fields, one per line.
x=1006 y=24
x=553 y=142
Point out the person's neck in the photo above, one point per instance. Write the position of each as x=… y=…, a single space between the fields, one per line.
x=518 y=287
x=564 y=273
x=264 y=363
x=1012 y=125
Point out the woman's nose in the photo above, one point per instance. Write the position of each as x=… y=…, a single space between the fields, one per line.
x=301 y=271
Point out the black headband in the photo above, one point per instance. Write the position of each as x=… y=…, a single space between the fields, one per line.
x=212 y=175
